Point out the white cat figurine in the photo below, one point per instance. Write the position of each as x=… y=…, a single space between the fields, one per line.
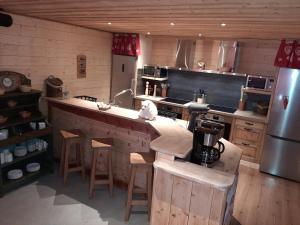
x=148 y=110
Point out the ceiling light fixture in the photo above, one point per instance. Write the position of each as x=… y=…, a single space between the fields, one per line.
x=172 y=24
x=148 y=33
x=199 y=35
x=109 y=23
x=223 y=24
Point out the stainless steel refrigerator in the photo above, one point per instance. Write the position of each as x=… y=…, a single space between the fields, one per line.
x=281 y=152
x=123 y=76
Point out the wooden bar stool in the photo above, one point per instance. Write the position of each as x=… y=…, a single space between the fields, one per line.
x=72 y=137
x=140 y=160
x=101 y=146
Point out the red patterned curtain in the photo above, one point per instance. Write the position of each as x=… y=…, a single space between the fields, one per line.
x=288 y=54
x=126 y=44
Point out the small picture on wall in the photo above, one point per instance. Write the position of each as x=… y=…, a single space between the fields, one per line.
x=81 y=66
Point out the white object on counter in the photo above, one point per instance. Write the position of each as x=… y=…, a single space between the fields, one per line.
x=147 y=88
x=148 y=110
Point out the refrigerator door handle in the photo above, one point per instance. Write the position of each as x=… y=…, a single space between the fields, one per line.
x=285 y=102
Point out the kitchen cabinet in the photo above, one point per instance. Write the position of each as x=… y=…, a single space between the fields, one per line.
x=249 y=136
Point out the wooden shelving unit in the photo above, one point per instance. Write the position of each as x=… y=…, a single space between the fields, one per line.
x=20 y=132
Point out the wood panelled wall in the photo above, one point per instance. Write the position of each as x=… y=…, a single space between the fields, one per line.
x=255 y=56
x=40 y=48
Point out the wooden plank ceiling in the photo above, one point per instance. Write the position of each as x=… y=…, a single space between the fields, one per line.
x=263 y=19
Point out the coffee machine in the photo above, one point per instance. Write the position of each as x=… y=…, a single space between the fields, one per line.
x=207 y=148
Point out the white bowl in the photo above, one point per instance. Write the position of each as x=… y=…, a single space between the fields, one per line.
x=20 y=151
x=3 y=134
x=33 y=167
x=14 y=174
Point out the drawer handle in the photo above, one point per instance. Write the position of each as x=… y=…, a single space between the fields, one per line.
x=250 y=124
x=247 y=129
x=245 y=144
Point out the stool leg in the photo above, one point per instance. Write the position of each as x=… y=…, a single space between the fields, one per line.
x=66 y=163
x=110 y=173
x=93 y=173
x=149 y=190
x=81 y=150
x=130 y=192
x=62 y=158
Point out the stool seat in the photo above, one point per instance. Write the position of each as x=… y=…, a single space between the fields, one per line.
x=74 y=133
x=100 y=145
x=142 y=158
x=72 y=137
x=137 y=161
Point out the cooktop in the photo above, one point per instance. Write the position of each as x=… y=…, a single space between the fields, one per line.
x=174 y=100
x=221 y=108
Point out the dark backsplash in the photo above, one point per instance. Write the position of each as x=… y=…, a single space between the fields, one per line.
x=223 y=90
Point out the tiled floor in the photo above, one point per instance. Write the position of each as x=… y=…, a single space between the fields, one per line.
x=48 y=202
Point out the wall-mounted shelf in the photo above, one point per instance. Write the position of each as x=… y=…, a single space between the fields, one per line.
x=155 y=78
x=256 y=91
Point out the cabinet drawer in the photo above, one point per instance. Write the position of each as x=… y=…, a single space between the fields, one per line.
x=248 y=149
x=249 y=124
x=249 y=134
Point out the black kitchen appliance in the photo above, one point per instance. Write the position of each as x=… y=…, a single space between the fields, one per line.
x=207 y=148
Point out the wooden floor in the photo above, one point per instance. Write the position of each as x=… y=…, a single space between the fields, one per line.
x=263 y=199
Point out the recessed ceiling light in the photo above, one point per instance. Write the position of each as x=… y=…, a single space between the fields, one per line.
x=223 y=24
x=200 y=35
x=172 y=24
x=148 y=33
x=109 y=23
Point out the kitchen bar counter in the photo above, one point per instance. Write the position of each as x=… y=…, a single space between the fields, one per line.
x=178 y=185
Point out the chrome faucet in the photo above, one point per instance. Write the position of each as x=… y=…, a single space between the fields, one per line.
x=121 y=93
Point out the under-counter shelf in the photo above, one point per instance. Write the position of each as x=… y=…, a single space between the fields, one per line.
x=155 y=78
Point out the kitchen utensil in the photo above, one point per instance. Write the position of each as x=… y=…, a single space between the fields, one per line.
x=20 y=151
x=3 y=134
x=11 y=103
x=25 y=114
x=33 y=167
x=14 y=174
x=3 y=119
x=25 y=88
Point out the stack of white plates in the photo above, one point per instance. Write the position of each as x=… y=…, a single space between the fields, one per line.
x=14 y=174
x=20 y=151
x=33 y=167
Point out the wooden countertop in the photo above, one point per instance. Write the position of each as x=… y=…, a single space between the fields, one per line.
x=248 y=115
x=172 y=138
x=221 y=176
